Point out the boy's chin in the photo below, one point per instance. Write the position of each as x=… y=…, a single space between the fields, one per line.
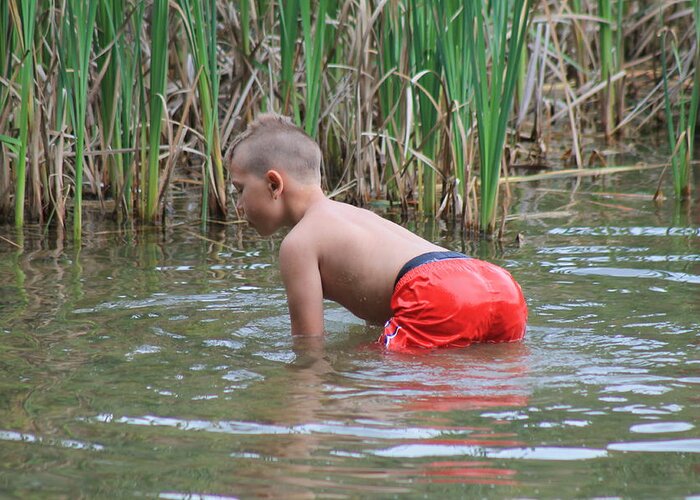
x=264 y=232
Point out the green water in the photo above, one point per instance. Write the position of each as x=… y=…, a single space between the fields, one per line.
x=160 y=365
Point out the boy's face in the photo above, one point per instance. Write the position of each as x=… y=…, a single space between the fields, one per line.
x=255 y=200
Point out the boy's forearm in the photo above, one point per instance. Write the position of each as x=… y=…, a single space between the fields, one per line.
x=307 y=327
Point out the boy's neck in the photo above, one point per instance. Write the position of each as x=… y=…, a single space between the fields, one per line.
x=300 y=199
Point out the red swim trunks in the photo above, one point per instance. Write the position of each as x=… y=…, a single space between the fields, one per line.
x=445 y=299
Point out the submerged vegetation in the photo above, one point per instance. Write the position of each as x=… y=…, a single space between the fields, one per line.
x=120 y=103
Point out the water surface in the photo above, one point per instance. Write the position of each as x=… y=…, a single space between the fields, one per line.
x=159 y=364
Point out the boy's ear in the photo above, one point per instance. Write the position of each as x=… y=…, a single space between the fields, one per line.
x=275 y=183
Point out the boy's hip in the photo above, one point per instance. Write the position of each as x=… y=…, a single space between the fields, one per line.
x=456 y=302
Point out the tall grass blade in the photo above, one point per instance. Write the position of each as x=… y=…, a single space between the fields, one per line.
x=677 y=102
x=109 y=14
x=452 y=33
x=391 y=64
x=695 y=93
x=494 y=95
x=79 y=23
x=608 y=59
x=7 y=36
x=133 y=101
x=426 y=70
x=314 y=46
x=200 y=25
x=27 y=21
x=288 y=12
x=157 y=91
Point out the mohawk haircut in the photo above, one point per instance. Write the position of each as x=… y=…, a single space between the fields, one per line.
x=273 y=141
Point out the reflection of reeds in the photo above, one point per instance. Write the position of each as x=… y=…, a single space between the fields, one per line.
x=398 y=92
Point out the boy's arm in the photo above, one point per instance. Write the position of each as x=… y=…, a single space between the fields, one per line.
x=302 y=280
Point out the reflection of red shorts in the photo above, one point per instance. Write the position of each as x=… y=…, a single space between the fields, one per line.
x=453 y=303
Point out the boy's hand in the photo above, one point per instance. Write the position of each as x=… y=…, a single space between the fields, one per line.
x=302 y=279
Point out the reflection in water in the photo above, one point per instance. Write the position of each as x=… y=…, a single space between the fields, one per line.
x=450 y=382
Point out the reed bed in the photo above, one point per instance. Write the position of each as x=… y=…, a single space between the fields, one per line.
x=424 y=104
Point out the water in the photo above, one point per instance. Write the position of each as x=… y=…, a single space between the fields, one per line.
x=160 y=365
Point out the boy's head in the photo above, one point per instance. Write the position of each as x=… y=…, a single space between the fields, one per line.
x=273 y=142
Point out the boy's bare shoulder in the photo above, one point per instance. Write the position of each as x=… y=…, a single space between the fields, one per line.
x=306 y=234
x=330 y=216
x=298 y=239
x=328 y=226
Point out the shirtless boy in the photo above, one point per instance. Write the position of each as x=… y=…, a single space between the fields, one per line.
x=425 y=295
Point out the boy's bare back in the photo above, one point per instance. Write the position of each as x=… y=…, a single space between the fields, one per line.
x=350 y=255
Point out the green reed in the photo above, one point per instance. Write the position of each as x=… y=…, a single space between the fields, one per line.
x=314 y=51
x=390 y=66
x=78 y=23
x=694 y=104
x=157 y=90
x=493 y=97
x=133 y=101
x=6 y=48
x=288 y=13
x=610 y=59
x=451 y=25
x=27 y=21
x=425 y=70
x=199 y=18
x=108 y=20
x=117 y=24
x=678 y=103
x=7 y=36
x=244 y=8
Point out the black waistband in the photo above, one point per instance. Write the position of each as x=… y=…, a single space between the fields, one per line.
x=425 y=258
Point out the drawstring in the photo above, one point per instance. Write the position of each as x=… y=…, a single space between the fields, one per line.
x=388 y=337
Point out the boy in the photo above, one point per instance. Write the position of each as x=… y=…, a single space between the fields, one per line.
x=425 y=295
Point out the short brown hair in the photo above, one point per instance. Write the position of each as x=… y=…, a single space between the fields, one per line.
x=274 y=141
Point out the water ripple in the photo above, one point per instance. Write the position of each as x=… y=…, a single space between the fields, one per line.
x=661 y=427
x=625 y=272
x=377 y=430
x=534 y=453
x=63 y=443
x=625 y=231
x=672 y=446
